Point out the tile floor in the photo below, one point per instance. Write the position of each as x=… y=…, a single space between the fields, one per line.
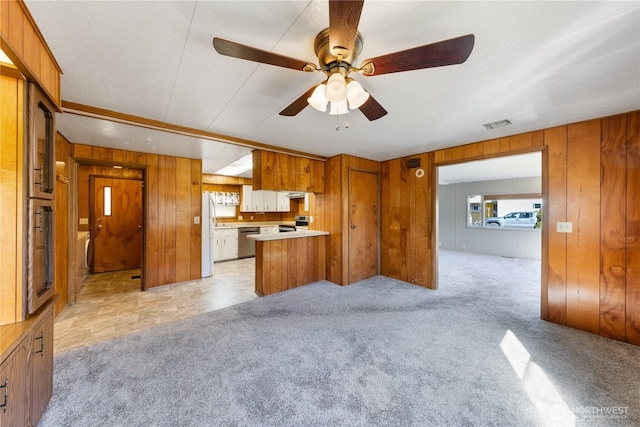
x=111 y=304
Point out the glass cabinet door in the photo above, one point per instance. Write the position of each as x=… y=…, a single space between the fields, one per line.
x=40 y=263
x=41 y=145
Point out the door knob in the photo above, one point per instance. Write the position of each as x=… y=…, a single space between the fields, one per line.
x=99 y=226
x=139 y=227
x=354 y=226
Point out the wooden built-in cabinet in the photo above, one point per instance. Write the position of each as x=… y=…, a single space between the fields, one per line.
x=29 y=98
x=41 y=156
x=12 y=195
x=26 y=368
x=41 y=369
x=40 y=201
x=283 y=172
x=40 y=267
x=13 y=387
x=24 y=45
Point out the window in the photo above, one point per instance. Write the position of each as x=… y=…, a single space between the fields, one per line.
x=521 y=211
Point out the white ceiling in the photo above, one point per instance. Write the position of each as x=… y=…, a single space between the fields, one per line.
x=538 y=64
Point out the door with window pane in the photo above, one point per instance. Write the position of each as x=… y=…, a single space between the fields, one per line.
x=116 y=223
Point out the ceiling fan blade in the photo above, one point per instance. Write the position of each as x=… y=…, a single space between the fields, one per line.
x=372 y=109
x=299 y=104
x=344 y=17
x=446 y=52
x=237 y=50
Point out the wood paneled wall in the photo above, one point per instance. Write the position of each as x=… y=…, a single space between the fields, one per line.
x=407 y=237
x=331 y=212
x=173 y=196
x=590 y=277
x=593 y=183
x=23 y=43
x=12 y=213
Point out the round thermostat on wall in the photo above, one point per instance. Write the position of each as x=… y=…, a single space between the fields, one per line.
x=419 y=173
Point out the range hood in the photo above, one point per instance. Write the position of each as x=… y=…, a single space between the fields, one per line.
x=295 y=195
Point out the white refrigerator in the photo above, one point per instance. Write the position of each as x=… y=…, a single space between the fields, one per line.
x=208 y=224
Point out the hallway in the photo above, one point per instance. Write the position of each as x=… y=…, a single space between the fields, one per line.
x=110 y=305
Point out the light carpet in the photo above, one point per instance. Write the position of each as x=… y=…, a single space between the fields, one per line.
x=378 y=352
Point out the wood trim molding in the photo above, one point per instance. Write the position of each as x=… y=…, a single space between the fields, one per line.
x=128 y=119
x=225 y=180
x=10 y=71
x=487 y=156
x=513 y=196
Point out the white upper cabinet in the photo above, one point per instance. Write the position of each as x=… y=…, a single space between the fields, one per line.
x=264 y=200
x=283 y=203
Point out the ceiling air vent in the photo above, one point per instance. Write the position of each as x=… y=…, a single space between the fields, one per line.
x=498 y=124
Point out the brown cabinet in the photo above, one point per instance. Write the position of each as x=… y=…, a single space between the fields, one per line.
x=26 y=368
x=41 y=145
x=13 y=388
x=40 y=266
x=41 y=354
x=41 y=172
x=282 y=172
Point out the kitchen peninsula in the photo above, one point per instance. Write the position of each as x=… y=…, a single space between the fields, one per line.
x=288 y=260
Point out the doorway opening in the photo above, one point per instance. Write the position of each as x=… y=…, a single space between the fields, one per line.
x=110 y=212
x=490 y=209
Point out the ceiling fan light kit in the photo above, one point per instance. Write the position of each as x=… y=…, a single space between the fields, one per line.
x=356 y=95
x=337 y=48
x=318 y=100
x=338 y=108
x=336 y=88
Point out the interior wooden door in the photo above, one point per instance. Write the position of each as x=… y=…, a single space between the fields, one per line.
x=363 y=225
x=116 y=233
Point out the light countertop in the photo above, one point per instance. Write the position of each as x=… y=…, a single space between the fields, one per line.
x=288 y=235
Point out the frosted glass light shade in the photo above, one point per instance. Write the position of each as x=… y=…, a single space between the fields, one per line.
x=339 y=108
x=336 y=89
x=317 y=99
x=356 y=95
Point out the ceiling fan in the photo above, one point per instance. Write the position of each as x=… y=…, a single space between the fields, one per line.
x=337 y=48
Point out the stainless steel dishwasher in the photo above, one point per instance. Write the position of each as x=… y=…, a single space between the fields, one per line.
x=247 y=247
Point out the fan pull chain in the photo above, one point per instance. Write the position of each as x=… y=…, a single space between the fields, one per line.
x=346 y=124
